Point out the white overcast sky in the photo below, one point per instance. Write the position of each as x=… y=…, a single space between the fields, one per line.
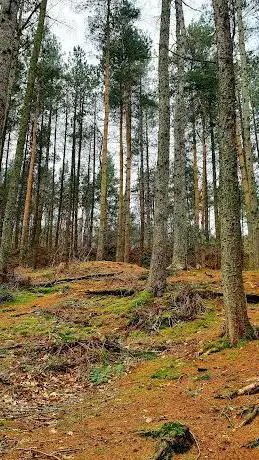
x=70 y=26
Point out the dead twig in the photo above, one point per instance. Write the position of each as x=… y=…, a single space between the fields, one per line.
x=197 y=445
x=36 y=451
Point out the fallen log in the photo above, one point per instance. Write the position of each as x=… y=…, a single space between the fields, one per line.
x=75 y=279
x=118 y=292
x=204 y=294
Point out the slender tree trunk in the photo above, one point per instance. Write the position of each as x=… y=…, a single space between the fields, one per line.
x=195 y=178
x=214 y=176
x=36 y=228
x=8 y=37
x=18 y=216
x=103 y=210
x=253 y=211
x=141 y=184
x=237 y=323
x=157 y=275
x=127 y=215
x=71 y=203
x=93 y=183
x=62 y=181
x=77 y=186
x=255 y=133
x=180 y=198
x=6 y=241
x=46 y=179
x=148 y=198
x=120 y=239
x=205 y=206
x=26 y=215
x=53 y=183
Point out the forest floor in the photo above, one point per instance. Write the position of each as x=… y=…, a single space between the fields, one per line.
x=85 y=365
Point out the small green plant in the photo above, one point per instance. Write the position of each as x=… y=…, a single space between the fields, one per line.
x=216 y=346
x=100 y=375
x=167 y=374
x=253 y=444
x=202 y=377
x=167 y=430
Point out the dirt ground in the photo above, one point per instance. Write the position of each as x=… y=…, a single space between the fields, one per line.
x=61 y=414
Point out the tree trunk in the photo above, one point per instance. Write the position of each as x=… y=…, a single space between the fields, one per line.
x=253 y=210
x=26 y=215
x=62 y=181
x=77 y=179
x=90 y=239
x=255 y=132
x=180 y=198
x=196 y=178
x=205 y=206
x=127 y=215
x=214 y=176
x=141 y=185
x=6 y=241
x=157 y=275
x=120 y=239
x=237 y=323
x=103 y=211
x=148 y=198
x=53 y=184
x=8 y=37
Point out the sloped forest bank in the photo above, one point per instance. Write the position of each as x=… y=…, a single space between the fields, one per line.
x=83 y=373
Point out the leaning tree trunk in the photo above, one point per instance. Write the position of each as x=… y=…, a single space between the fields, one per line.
x=180 y=196
x=237 y=323
x=6 y=242
x=157 y=275
x=103 y=211
x=8 y=35
x=253 y=209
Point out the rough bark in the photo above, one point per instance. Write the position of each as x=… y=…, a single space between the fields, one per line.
x=127 y=216
x=26 y=215
x=120 y=239
x=214 y=177
x=148 y=197
x=180 y=196
x=91 y=227
x=253 y=210
x=237 y=323
x=205 y=205
x=196 y=177
x=8 y=37
x=141 y=184
x=62 y=182
x=103 y=210
x=157 y=274
x=6 y=241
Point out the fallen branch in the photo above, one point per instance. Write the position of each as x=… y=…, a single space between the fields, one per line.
x=208 y=294
x=250 y=417
x=72 y=280
x=250 y=389
x=121 y=292
x=31 y=449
